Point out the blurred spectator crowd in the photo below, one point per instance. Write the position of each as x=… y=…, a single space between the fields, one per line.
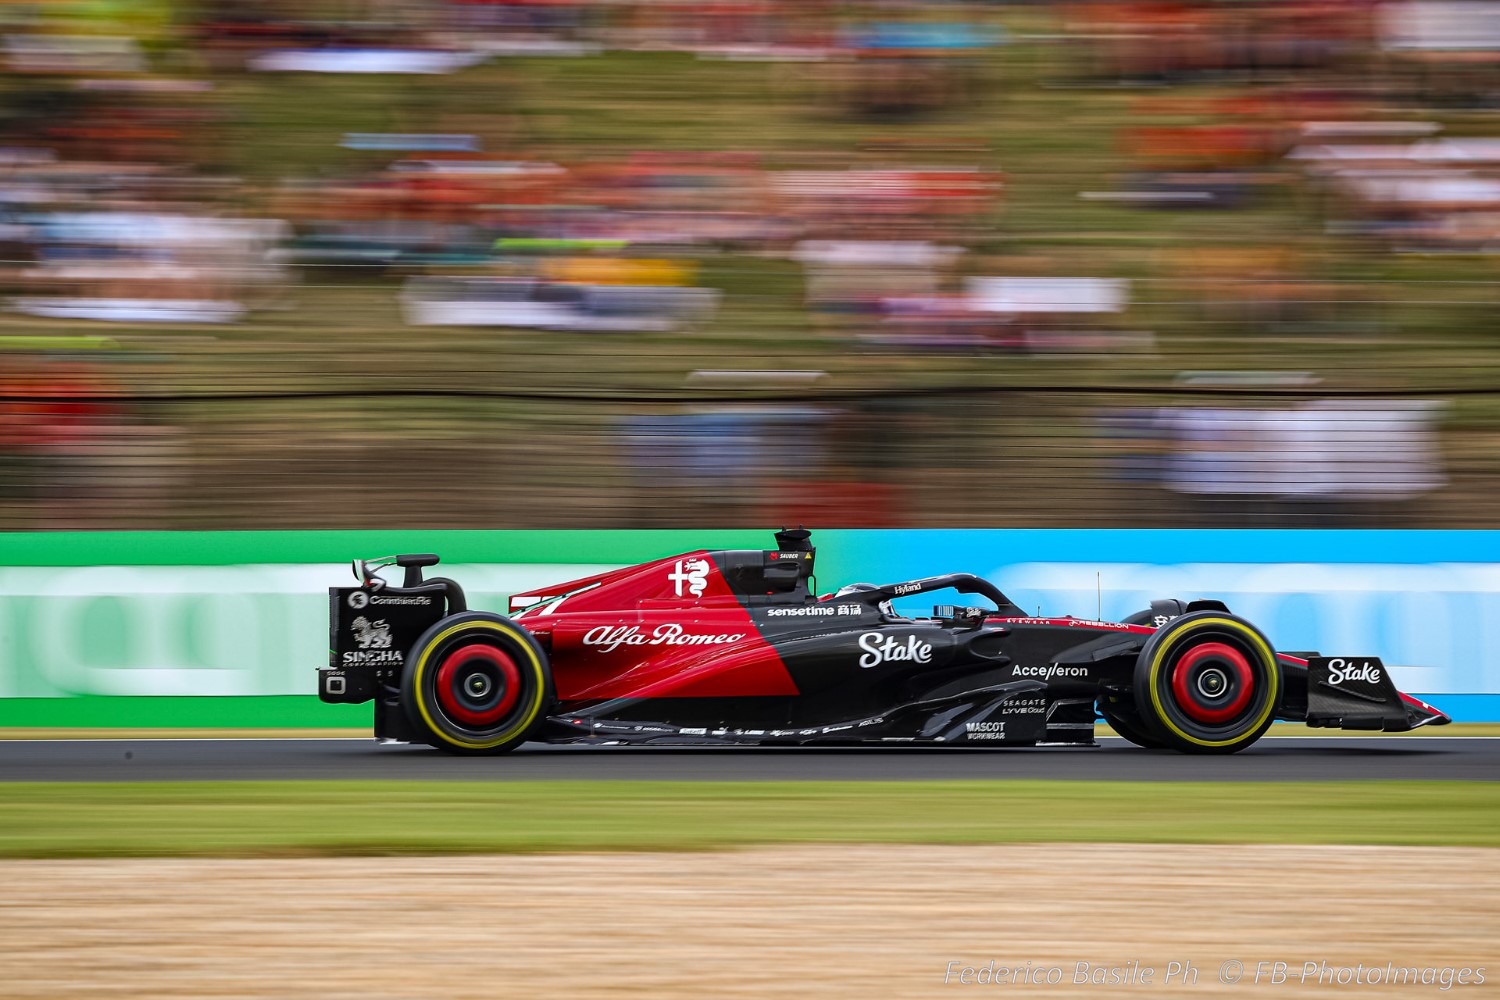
x=159 y=255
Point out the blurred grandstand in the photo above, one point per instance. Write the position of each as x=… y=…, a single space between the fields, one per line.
x=615 y=263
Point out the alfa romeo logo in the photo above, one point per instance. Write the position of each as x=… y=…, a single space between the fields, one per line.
x=358 y=599
x=691 y=572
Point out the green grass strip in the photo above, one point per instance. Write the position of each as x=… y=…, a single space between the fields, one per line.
x=405 y=817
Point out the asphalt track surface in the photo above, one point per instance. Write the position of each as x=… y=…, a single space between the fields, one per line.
x=1323 y=758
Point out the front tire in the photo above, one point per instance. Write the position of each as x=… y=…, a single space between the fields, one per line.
x=1207 y=683
x=476 y=683
x=1121 y=717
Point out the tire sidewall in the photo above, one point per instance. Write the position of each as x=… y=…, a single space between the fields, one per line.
x=1128 y=726
x=419 y=683
x=1154 y=701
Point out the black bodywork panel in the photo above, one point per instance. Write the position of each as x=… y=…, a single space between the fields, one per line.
x=1353 y=692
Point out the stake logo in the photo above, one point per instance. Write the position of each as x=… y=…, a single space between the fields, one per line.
x=887 y=648
x=1340 y=670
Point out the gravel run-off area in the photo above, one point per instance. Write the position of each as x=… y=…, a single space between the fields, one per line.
x=855 y=921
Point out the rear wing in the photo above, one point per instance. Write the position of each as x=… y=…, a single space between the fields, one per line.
x=372 y=626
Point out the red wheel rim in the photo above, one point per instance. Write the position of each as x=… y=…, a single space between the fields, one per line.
x=467 y=684
x=1186 y=681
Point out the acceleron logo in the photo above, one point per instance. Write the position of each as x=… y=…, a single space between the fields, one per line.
x=1051 y=672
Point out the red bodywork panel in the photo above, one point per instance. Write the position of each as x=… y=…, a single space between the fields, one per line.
x=1074 y=623
x=665 y=629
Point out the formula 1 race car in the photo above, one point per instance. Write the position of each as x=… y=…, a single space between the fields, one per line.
x=731 y=647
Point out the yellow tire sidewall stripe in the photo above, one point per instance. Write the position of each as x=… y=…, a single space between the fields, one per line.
x=1255 y=640
x=419 y=691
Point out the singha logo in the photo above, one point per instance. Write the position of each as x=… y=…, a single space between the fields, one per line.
x=690 y=572
x=372 y=635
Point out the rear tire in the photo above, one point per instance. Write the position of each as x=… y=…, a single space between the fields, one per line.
x=476 y=683
x=1207 y=683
